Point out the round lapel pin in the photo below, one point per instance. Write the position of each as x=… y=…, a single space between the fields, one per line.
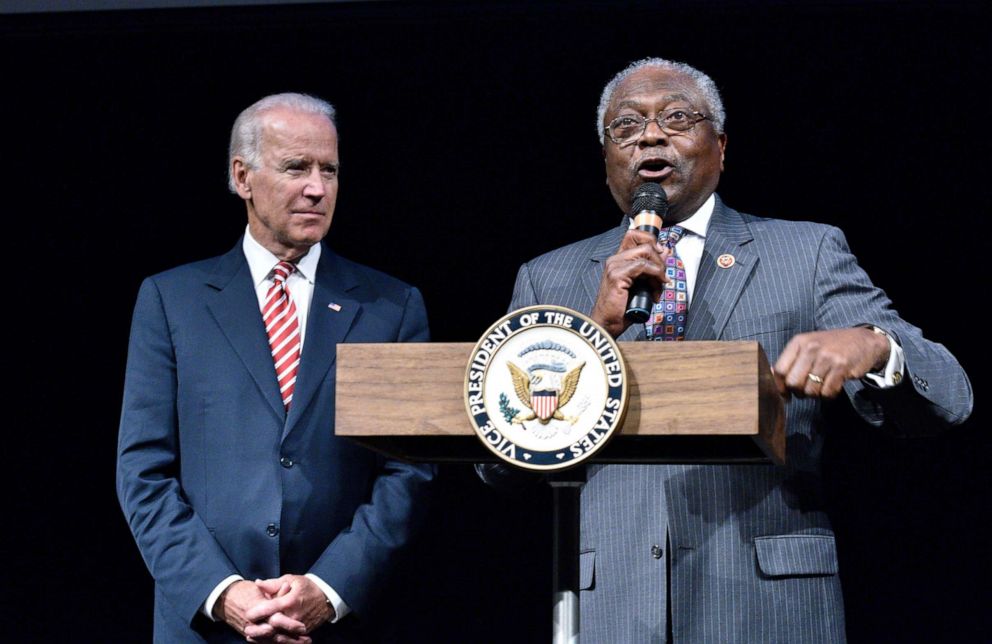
x=725 y=261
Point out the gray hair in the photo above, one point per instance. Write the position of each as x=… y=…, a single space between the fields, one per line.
x=246 y=135
x=705 y=85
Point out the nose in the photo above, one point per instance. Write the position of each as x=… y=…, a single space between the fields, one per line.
x=314 y=186
x=653 y=134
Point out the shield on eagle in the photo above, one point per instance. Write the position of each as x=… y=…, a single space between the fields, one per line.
x=544 y=403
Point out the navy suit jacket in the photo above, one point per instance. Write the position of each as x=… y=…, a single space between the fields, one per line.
x=216 y=479
x=740 y=553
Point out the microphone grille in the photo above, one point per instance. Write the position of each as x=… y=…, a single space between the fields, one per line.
x=649 y=196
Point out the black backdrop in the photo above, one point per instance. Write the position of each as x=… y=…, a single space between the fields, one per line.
x=468 y=146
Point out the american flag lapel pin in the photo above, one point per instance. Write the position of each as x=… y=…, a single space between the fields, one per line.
x=334 y=306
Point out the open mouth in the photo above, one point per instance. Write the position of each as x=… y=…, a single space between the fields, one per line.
x=654 y=169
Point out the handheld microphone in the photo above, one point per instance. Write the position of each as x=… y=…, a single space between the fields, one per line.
x=648 y=210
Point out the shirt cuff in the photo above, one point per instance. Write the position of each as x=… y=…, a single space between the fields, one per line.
x=208 y=606
x=894 y=369
x=340 y=608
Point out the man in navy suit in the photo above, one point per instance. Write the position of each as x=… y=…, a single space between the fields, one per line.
x=728 y=553
x=253 y=519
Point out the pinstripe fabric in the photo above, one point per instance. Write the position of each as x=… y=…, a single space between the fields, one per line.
x=752 y=554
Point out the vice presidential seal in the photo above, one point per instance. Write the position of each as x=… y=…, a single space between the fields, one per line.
x=545 y=388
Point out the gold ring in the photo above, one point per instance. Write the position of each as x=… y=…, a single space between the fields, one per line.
x=815 y=378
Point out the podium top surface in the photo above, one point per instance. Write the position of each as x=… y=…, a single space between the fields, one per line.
x=689 y=402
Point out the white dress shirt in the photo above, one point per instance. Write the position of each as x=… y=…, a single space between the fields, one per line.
x=690 y=250
x=261 y=263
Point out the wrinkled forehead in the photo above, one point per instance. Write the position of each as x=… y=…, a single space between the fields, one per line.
x=287 y=121
x=283 y=129
x=655 y=87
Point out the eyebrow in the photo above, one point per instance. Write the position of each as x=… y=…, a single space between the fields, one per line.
x=289 y=161
x=668 y=98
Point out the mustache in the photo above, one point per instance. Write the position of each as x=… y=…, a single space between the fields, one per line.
x=656 y=162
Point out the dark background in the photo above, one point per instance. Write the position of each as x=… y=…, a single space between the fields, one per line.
x=468 y=146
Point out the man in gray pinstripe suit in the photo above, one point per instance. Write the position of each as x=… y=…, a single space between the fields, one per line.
x=722 y=554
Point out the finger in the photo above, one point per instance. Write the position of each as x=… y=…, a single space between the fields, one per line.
x=643 y=251
x=282 y=638
x=797 y=379
x=262 y=611
x=626 y=269
x=663 y=256
x=811 y=367
x=656 y=293
x=825 y=377
x=287 y=625
x=813 y=384
x=634 y=238
x=270 y=586
x=260 y=631
x=780 y=385
x=284 y=589
x=833 y=383
x=788 y=356
x=832 y=386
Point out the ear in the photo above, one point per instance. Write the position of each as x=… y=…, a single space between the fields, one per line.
x=603 y=151
x=722 y=139
x=242 y=177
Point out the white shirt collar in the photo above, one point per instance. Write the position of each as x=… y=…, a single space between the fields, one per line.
x=699 y=222
x=261 y=260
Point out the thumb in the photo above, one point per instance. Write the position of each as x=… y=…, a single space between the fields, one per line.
x=270 y=586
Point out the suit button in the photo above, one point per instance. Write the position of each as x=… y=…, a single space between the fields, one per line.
x=272 y=530
x=656 y=551
x=286 y=462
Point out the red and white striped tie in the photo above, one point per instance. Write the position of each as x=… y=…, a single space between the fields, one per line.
x=283 y=328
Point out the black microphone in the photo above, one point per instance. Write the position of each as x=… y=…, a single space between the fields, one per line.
x=648 y=210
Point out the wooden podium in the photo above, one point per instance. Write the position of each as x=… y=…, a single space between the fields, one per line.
x=689 y=402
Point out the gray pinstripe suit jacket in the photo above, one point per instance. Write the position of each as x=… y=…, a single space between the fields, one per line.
x=751 y=555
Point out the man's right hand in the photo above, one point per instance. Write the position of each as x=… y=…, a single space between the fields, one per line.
x=238 y=598
x=639 y=256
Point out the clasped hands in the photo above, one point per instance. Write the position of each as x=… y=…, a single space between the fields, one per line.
x=814 y=364
x=282 y=610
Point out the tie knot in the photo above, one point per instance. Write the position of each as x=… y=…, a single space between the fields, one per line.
x=282 y=271
x=671 y=235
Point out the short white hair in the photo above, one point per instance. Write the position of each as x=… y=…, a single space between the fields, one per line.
x=707 y=90
x=246 y=134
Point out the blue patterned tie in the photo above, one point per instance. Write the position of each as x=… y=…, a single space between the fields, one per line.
x=669 y=315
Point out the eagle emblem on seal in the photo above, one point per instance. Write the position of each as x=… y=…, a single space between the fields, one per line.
x=546 y=385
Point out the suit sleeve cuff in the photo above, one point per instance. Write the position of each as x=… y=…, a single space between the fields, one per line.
x=208 y=606
x=894 y=369
x=340 y=608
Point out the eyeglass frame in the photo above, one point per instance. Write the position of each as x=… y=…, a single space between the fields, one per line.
x=657 y=120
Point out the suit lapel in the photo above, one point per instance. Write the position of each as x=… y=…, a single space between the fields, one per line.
x=234 y=305
x=718 y=289
x=593 y=275
x=326 y=327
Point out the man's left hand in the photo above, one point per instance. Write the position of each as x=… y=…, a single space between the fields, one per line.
x=818 y=364
x=293 y=596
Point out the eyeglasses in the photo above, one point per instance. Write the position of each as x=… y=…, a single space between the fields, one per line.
x=676 y=120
